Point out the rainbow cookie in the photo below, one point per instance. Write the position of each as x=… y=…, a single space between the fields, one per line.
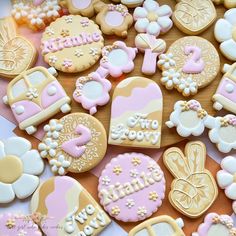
x=63 y=202
x=131 y=187
x=136 y=121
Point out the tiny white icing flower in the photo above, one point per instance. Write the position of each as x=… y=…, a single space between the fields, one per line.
x=151 y=166
x=52 y=9
x=170 y=78
x=130 y=203
x=50 y=31
x=67 y=63
x=48 y=147
x=93 y=51
x=84 y=22
x=106 y=180
x=133 y=173
x=59 y=165
x=32 y=93
x=187 y=86
x=36 y=17
x=22 y=233
x=79 y=53
x=166 y=61
x=142 y=212
x=53 y=129
x=115 y=210
x=153 y=196
x=152 y=18
x=68 y=19
x=20 y=10
x=52 y=59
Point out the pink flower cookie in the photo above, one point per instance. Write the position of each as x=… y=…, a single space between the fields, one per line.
x=131 y=187
x=92 y=91
x=18 y=225
x=216 y=225
x=152 y=18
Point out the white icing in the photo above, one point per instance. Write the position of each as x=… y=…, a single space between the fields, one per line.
x=48 y=148
x=229 y=88
x=218 y=230
x=114 y=14
x=92 y=90
x=19 y=88
x=59 y=165
x=52 y=90
x=36 y=78
x=20 y=110
x=142 y=232
x=163 y=229
x=53 y=129
x=118 y=57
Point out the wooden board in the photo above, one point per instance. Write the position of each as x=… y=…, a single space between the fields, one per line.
x=169 y=136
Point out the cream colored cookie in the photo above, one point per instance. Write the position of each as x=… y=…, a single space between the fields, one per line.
x=16 y=52
x=194 y=188
x=194 y=16
x=75 y=143
x=227 y=3
x=130 y=3
x=189 y=64
x=114 y=19
x=72 y=43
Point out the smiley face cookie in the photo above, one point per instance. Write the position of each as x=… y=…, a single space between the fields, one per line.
x=20 y=166
x=138 y=123
x=194 y=16
x=189 y=64
x=75 y=143
x=72 y=43
x=187 y=194
x=16 y=52
x=131 y=187
x=61 y=201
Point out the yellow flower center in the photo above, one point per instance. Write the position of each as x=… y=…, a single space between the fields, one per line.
x=234 y=33
x=152 y=16
x=11 y=169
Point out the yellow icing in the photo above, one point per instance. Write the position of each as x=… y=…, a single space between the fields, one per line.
x=234 y=33
x=152 y=16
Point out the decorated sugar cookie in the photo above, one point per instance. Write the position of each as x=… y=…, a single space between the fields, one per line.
x=188 y=117
x=161 y=225
x=194 y=16
x=72 y=43
x=114 y=19
x=131 y=187
x=18 y=225
x=225 y=34
x=80 y=7
x=216 y=225
x=227 y=3
x=135 y=121
x=62 y=202
x=35 y=96
x=16 y=52
x=130 y=3
x=194 y=188
x=225 y=95
x=189 y=64
x=75 y=143
x=223 y=132
x=20 y=166
x=152 y=18
x=152 y=48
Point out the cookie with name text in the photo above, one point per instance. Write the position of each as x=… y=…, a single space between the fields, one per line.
x=131 y=187
x=66 y=208
x=72 y=43
x=135 y=121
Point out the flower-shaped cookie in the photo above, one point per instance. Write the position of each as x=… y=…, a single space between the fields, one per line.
x=152 y=18
x=225 y=33
x=19 y=167
x=92 y=91
x=226 y=177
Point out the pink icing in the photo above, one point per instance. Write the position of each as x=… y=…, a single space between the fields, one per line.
x=91 y=104
x=30 y=108
x=21 y=223
x=81 y=4
x=76 y=147
x=57 y=44
x=135 y=101
x=194 y=64
x=222 y=89
x=114 y=18
x=38 y=2
x=141 y=197
x=48 y=100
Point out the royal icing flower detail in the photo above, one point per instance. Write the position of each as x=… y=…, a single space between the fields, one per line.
x=84 y=22
x=59 y=165
x=106 y=180
x=32 y=93
x=152 y=18
x=20 y=10
x=67 y=63
x=170 y=78
x=68 y=19
x=225 y=33
x=201 y=113
x=166 y=61
x=187 y=86
x=115 y=211
x=53 y=129
x=136 y=161
x=52 y=60
x=79 y=53
x=24 y=164
x=153 y=196
x=120 y=8
x=93 y=51
x=36 y=17
x=151 y=166
x=65 y=33
x=142 y=211
x=226 y=177
x=11 y=223
x=48 y=147
x=117 y=170
x=224 y=121
x=22 y=233
x=51 y=9
x=50 y=31
x=133 y=173
x=129 y=203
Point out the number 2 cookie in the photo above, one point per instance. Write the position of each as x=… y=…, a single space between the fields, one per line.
x=189 y=64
